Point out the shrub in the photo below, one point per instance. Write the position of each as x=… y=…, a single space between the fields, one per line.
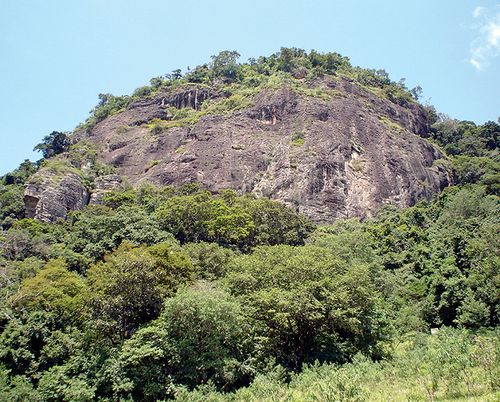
x=53 y=144
x=142 y=92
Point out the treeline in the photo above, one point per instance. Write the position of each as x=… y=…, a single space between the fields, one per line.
x=472 y=148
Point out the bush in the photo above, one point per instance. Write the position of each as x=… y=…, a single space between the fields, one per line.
x=53 y=144
x=142 y=92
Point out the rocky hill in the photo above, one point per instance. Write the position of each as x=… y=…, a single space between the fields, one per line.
x=332 y=142
x=174 y=292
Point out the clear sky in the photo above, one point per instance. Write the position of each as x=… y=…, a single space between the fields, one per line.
x=56 y=56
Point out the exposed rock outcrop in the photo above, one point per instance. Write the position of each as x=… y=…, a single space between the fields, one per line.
x=50 y=196
x=144 y=110
x=331 y=150
x=103 y=185
x=191 y=98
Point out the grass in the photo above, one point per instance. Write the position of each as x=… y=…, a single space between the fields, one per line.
x=298 y=138
x=187 y=117
x=123 y=129
x=391 y=124
x=454 y=365
x=229 y=105
x=152 y=164
x=60 y=167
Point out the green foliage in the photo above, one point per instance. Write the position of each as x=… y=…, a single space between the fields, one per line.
x=228 y=105
x=298 y=138
x=207 y=332
x=16 y=388
x=307 y=304
x=56 y=385
x=348 y=240
x=475 y=150
x=328 y=63
x=157 y=82
x=98 y=229
x=11 y=204
x=20 y=175
x=53 y=144
x=292 y=67
x=18 y=244
x=209 y=259
x=23 y=339
x=200 y=74
x=128 y=288
x=116 y=199
x=108 y=305
x=398 y=94
x=81 y=154
x=107 y=106
x=12 y=273
x=275 y=223
x=452 y=365
x=465 y=138
x=200 y=217
x=237 y=221
x=142 y=92
x=374 y=78
x=224 y=65
x=118 y=329
x=475 y=169
x=439 y=259
x=59 y=167
x=199 y=337
x=53 y=289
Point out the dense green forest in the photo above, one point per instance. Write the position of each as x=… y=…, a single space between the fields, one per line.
x=176 y=293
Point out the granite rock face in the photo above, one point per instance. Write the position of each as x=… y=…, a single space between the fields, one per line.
x=103 y=185
x=49 y=196
x=334 y=150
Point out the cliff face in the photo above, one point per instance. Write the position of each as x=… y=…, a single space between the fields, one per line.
x=49 y=196
x=332 y=149
x=335 y=151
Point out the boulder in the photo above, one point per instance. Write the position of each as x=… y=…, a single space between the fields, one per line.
x=103 y=185
x=50 y=196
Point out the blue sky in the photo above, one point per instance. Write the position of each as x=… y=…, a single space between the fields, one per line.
x=56 y=56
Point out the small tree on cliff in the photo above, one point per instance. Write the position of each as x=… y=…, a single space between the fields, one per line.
x=225 y=65
x=53 y=144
